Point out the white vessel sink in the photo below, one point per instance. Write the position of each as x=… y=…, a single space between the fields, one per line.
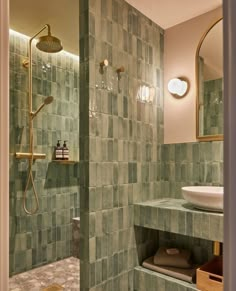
x=205 y=197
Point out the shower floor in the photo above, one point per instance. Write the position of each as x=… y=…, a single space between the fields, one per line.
x=64 y=273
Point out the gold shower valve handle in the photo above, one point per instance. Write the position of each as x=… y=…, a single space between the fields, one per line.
x=36 y=156
x=25 y=63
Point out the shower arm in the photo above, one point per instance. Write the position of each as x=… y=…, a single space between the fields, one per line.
x=31 y=114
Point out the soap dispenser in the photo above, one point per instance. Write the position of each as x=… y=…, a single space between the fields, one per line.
x=65 y=151
x=58 y=151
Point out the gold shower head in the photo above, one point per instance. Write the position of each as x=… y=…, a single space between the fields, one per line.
x=48 y=43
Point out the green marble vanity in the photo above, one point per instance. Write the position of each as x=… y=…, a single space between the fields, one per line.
x=179 y=217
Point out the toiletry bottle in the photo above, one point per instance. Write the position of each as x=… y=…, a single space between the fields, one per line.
x=65 y=151
x=58 y=151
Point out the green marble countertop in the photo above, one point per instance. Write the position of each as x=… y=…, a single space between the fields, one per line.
x=178 y=216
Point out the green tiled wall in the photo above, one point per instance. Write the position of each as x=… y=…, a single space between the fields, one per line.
x=123 y=159
x=45 y=236
x=190 y=164
x=120 y=147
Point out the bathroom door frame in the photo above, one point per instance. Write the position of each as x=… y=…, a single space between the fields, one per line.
x=229 y=36
x=229 y=6
x=4 y=144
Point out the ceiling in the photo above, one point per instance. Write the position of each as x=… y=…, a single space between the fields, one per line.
x=168 y=13
x=28 y=16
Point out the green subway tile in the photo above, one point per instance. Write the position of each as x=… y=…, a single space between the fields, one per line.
x=216 y=173
x=104 y=270
x=98 y=198
x=104 y=246
x=182 y=223
x=190 y=226
x=109 y=239
x=20 y=261
x=92 y=274
x=92 y=217
x=98 y=223
x=107 y=197
x=110 y=267
x=92 y=249
x=98 y=271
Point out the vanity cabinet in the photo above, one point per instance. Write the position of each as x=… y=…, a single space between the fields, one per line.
x=179 y=217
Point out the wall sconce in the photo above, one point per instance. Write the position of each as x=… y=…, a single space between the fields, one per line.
x=178 y=87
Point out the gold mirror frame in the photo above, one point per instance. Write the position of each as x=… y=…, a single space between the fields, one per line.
x=198 y=136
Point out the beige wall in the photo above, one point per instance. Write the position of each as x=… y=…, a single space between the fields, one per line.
x=181 y=43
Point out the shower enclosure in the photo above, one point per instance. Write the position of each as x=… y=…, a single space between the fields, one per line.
x=41 y=231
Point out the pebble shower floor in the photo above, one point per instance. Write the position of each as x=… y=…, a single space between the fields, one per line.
x=63 y=275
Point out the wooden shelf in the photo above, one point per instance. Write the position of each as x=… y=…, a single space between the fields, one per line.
x=65 y=162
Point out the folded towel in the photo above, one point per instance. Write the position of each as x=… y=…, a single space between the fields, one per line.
x=188 y=275
x=178 y=258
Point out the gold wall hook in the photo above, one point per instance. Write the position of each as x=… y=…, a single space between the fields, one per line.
x=103 y=64
x=119 y=71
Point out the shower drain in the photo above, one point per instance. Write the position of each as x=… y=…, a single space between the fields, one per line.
x=53 y=287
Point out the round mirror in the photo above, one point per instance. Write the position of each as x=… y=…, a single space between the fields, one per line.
x=209 y=76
